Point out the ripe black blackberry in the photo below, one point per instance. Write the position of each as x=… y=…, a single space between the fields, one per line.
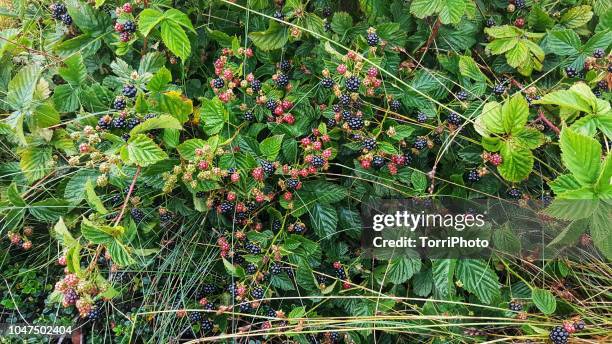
x=603 y=84
x=334 y=336
x=233 y=289
x=519 y=4
x=331 y=122
x=372 y=39
x=251 y=268
x=421 y=117
x=499 y=89
x=490 y=22
x=299 y=227
x=209 y=306
x=256 y=85
x=292 y=183
x=317 y=161
x=352 y=84
x=579 y=325
x=355 y=122
x=327 y=82
x=251 y=206
x=105 y=122
x=462 y=95
x=66 y=19
x=126 y=189
x=284 y=65
x=571 y=72
x=327 y=26
x=258 y=293
x=289 y=271
x=249 y=116
x=252 y=248
x=408 y=158
x=218 y=83
x=129 y=91
x=245 y=307
x=209 y=288
x=559 y=335
x=395 y=105
x=369 y=143
x=57 y=9
x=340 y=273
x=115 y=199
x=597 y=93
x=378 y=162
x=226 y=207
x=327 y=12
x=137 y=214
x=473 y=176
x=275 y=268
x=119 y=104
x=132 y=122
x=345 y=99
x=598 y=53
x=271 y=104
x=96 y=312
x=200 y=194
x=514 y=193
x=346 y=114
x=454 y=118
x=276 y=225
x=282 y=80
x=322 y=279
x=149 y=116
x=515 y=306
x=129 y=26
x=119 y=122
x=271 y=313
x=420 y=143
x=267 y=166
x=165 y=216
x=195 y=317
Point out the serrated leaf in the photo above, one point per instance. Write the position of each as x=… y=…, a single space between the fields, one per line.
x=214 y=115
x=564 y=42
x=544 y=300
x=576 y=17
x=517 y=162
x=581 y=155
x=600 y=229
x=49 y=210
x=571 y=209
x=159 y=122
x=478 y=278
x=148 y=19
x=402 y=268
x=93 y=199
x=142 y=151
x=119 y=253
x=419 y=180
x=175 y=38
x=324 y=220
x=270 y=146
x=21 y=87
x=514 y=113
x=469 y=68
x=275 y=37
x=35 y=162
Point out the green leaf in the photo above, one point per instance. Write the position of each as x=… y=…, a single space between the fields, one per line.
x=581 y=155
x=75 y=72
x=142 y=151
x=324 y=220
x=402 y=268
x=74 y=191
x=518 y=55
x=148 y=19
x=100 y=234
x=14 y=196
x=529 y=138
x=179 y=18
x=469 y=68
x=187 y=148
x=176 y=104
x=159 y=81
x=119 y=254
x=419 y=180
x=341 y=23
x=451 y=11
x=93 y=199
x=502 y=45
x=270 y=146
x=517 y=162
x=490 y=120
x=61 y=234
x=233 y=270
x=600 y=229
x=544 y=300
x=478 y=278
x=564 y=42
x=159 y=122
x=503 y=31
x=296 y=313
x=214 y=115
x=571 y=209
x=21 y=87
x=576 y=16
x=275 y=37
x=424 y=8
x=515 y=113
x=49 y=210
x=174 y=37
x=35 y=162
x=539 y=20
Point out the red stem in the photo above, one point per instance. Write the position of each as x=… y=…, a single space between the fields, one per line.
x=127 y=198
x=546 y=121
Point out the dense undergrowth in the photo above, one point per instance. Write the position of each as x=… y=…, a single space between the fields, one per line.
x=195 y=170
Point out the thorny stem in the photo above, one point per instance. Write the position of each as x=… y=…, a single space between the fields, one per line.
x=551 y=125
x=127 y=198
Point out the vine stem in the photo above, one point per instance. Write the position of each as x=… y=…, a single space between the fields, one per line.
x=551 y=125
x=127 y=198
x=432 y=35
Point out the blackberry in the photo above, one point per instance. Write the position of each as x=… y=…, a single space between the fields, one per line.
x=105 y=122
x=327 y=82
x=352 y=84
x=70 y=296
x=249 y=116
x=209 y=306
x=149 y=116
x=125 y=137
x=408 y=158
x=57 y=9
x=278 y=15
x=271 y=104
x=372 y=39
x=218 y=83
x=473 y=176
x=258 y=293
x=327 y=26
x=355 y=123
x=514 y=193
x=519 y=4
x=327 y=12
x=95 y=313
x=602 y=84
x=369 y=143
x=126 y=189
x=232 y=289
x=271 y=313
x=559 y=335
x=251 y=206
x=289 y=271
x=345 y=99
x=515 y=306
x=331 y=122
x=129 y=91
x=276 y=225
x=116 y=199
x=579 y=325
x=346 y=114
x=129 y=26
x=395 y=105
x=132 y=122
x=252 y=248
x=547 y=199
x=299 y=228
x=454 y=119
x=209 y=288
x=317 y=161
x=462 y=95
x=119 y=104
x=490 y=22
x=499 y=89
x=251 y=268
x=119 y=122
x=321 y=279
x=226 y=207
x=334 y=337
x=267 y=166
x=597 y=93
x=256 y=85
x=340 y=273
x=282 y=80
x=245 y=307
x=598 y=53
x=571 y=72
x=292 y=183
x=420 y=143
x=284 y=65
x=200 y=194
x=275 y=268
x=165 y=216
x=137 y=214
x=421 y=117
x=378 y=162
x=195 y=317
x=66 y=19
x=125 y=36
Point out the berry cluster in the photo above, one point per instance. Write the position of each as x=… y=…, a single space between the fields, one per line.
x=60 y=12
